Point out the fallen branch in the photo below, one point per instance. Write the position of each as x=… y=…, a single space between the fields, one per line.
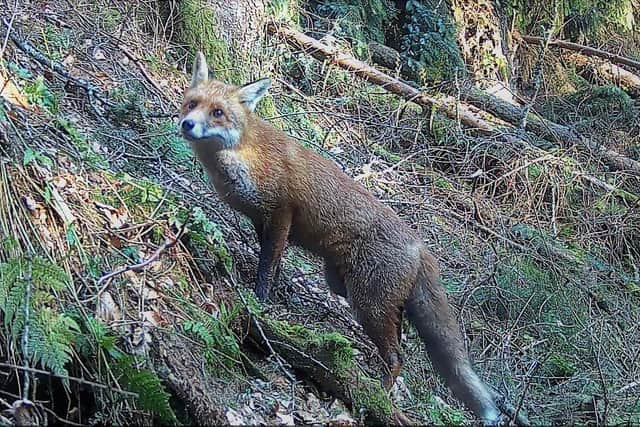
x=445 y=103
x=184 y=374
x=585 y=50
x=92 y=91
x=450 y=106
x=607 y=71
x=550 y=131
x=77 y=380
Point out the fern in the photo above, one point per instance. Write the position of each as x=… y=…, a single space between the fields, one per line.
x=9 y=274
x=200 y=331
x=216 y=336
x=13 y=307
x=51 y=335
x=95 y=337
x=151 y=393
x=48 y=274
x=51 y=340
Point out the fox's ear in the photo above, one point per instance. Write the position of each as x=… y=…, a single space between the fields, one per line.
x=200 y=70
x=251 y=93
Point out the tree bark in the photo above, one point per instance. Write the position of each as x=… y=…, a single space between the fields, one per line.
x=187 y=379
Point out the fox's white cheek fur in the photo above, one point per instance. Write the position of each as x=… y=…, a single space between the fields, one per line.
x=228 y=137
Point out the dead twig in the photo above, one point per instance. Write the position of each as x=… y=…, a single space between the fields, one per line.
x=68 y=377
x=9 y=26
x=168 y=243
x=144 y=71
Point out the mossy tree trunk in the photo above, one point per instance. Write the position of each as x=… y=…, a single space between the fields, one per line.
x=228 y=32
x=484 y=44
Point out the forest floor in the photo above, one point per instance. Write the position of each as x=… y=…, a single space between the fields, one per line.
x=540 y=263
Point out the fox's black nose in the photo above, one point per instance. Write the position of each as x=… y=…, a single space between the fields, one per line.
x=187 y=125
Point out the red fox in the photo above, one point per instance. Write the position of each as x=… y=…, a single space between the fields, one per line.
x=371 y=257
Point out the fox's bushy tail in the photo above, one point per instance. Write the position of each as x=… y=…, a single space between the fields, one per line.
x=428 y=310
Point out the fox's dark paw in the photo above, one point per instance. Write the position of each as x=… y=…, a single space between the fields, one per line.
x=261 y=293
x=508 y=415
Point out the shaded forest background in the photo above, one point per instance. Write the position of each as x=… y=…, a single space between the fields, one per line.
x=125 y=284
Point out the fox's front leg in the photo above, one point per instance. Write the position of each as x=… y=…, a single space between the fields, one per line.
x=273 y=239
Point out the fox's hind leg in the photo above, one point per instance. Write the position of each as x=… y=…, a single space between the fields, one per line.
x=334 y=279
x=383 y=327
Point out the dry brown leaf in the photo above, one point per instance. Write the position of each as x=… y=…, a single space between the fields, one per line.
x=107 y=309
x=11 y=92
x=116 y=217
x=154 y=318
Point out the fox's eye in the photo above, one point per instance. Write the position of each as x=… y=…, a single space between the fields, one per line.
x=217 y=113
x=191 y=105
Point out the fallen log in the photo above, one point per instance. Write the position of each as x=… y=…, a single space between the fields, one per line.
x=328 y=360
x=607 y=71
x=185 y=377
x=585 y=50
x=449 y=105
x=445 y=103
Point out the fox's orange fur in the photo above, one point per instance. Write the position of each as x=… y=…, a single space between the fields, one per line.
x=291 y=193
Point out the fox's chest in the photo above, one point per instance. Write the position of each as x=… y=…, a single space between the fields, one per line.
x=233 y=182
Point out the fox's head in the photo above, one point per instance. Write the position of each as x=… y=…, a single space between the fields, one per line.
x=214 y=112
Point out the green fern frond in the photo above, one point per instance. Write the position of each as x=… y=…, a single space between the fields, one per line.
x=13 y=306
x=48 y=275
x=9 y=274
x=152 y=395
x=199 y=331
x=96 y=335
x=51 y=340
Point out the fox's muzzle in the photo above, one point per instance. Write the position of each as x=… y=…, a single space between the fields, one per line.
x=198 y=131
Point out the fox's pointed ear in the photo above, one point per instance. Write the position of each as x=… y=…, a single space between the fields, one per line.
x=200 y=70
x=251 y=93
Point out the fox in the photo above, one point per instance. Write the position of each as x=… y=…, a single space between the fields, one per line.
x=293 y=195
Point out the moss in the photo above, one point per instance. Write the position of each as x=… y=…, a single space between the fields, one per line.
x=383 y=152
x=370 y=396
x=337 y=347
x=574 y=18
x=559 y=366
x=360 y=21
x=198 y=30
x=442 y=182
x=287 y=11
x=441 y=413
x=429 y=44
x=605 y=100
